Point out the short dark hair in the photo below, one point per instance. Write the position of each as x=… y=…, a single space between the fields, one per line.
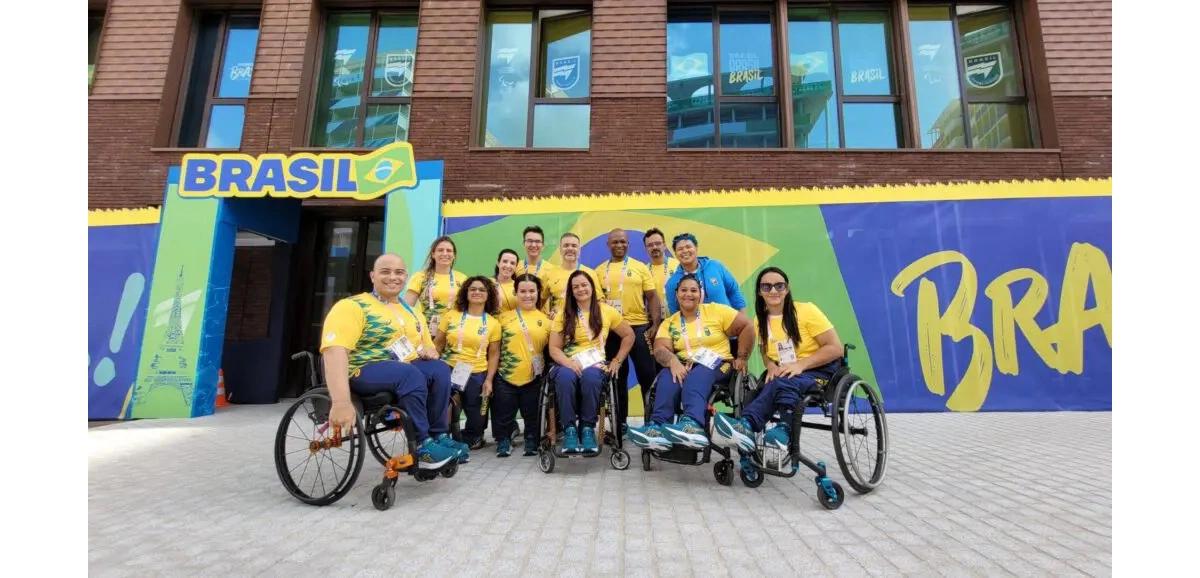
x=651 y=232
x=496 y=273
x=533 y=229
x=684 y=237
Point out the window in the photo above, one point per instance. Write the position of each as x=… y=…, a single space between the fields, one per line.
x=728 y=101
x=537 y=80
x=218 y=80
x=365 y=91
x=95 y=24
x=966 y=53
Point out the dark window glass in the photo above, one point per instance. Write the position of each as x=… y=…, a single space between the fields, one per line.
x=339 y=95
x=506 y=116
x=999 y=126
x=218 y=81
x=203 y=55
x=95 y=25
x=395 y=56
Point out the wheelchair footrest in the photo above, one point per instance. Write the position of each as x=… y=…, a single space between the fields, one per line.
x=681 y=455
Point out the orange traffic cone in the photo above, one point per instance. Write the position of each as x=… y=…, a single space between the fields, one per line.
x=221 y=401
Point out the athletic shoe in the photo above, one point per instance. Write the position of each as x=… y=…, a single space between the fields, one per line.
x=478 y=443
x=777 y=437
x=433 y=455
x=570 y=443
x=649 y=437
x=589 y=442
x=503 y=448
x=731 y=432
x=687 y=433
x=464 y=453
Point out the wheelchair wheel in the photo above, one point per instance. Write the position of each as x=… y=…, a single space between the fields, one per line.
x=619 y=460
x=386 y=435
x=751 y=477
x=449 y=470
x=831 y=502
x=314 y=467
x=546 y=460
x=645 y=460
x=859 y=433
x=723 y=472
x=383 y=496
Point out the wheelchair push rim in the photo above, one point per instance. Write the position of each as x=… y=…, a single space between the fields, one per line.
x=314 y=466
x=860 y=437
x=386 y=435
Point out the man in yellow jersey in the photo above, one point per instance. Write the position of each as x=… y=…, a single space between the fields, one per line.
x=535 y=241
x=629 y=288
x=556 y=281
x=373 y=342
x=661 y=265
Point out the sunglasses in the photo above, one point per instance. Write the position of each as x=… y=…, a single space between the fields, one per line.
x=767 y=287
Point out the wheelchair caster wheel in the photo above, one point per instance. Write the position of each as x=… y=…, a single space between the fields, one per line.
x=383 y=496
x=425 y=475
x=830 y=502
x=751 y=477
x=619 y=460
x=546 y=460
x=723 y=471
x=449 y=470
x=645 y=460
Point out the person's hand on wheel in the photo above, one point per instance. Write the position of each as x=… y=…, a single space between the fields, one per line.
x=739 y=364
x=613 y=367
x=341 y=416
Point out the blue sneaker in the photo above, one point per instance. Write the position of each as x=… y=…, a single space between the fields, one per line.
x=649 y=437
x=433 y=455
x=731 y=432
x=589 y=442
x=464 y=452
x=570 y=440
x=503 y=448
x=687 y=433
x=777 y=437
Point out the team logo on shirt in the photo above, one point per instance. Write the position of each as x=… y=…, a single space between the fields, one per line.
x=714 y=281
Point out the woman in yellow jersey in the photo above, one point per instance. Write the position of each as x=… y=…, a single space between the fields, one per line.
x=801 y=350
x=433 y=289
x=693 y=347
x=524 y=333
x=506 y=267
x=577 y=337
x=469 y=341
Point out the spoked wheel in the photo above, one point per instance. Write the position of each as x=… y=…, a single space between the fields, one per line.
x=546 y=460
x=315 y=466
x=619 y=460
x=386 y=436
x=383 y=496
x=860 y=433
x=831 y=502
x=723 y=472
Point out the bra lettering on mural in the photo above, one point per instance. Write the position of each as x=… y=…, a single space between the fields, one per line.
x=1060 y=346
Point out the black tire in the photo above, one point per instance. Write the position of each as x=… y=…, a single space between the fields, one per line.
x=645 y=460
x=546 y=460
x=300 y=427
x=383 y=496
x=386 y=442
x=619 y=460
x=723 y=472
x=831 y=503
x=860 y=437
x=751 y=480
x=450 y=469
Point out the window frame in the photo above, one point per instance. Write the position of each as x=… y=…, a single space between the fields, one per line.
x=214 y=75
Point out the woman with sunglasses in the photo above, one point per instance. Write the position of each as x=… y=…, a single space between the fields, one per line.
x=800 y=349
x=469 y=342
x=506 y=267
x=577 y=337
x=433 y=288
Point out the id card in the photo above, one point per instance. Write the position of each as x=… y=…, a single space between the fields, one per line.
x=403 y=348
x=706 y=357
x=460 y=375
x=589 y=357
x=616 y=304
x=787 y=353
x=538 y=365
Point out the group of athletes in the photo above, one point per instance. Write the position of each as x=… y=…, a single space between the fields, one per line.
x=679 y=321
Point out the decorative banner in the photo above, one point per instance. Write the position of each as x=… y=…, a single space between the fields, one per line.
x=966 y=297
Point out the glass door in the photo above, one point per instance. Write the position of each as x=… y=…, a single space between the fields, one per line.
x=346 y=251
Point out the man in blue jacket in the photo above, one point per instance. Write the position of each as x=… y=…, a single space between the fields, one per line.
x=717 y=283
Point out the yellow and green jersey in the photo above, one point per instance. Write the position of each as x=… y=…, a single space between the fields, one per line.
x=627 y=281
x=811 y=322
x=554 y=288
x=436 y=296
x=367 y=328
x=468 y=337
x=609 y=318
x=709 y=329
x=523 y=335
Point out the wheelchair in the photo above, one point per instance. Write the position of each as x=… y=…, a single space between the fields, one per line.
x=856 y=419
x=721 y=393
x=306 y=444
x=606 y=425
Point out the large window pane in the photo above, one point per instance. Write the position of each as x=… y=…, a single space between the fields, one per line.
x=204 y=52
x=989 y=57
x=395 y=56
x=999 y=126
x=747 y=56
x=810 y=56
x=510 y=36
x=749 y=125
x=566 y=58
x=561 y=125
x=225 y=126
x=237 y=64
x=690 y=123
x=690 y=80
x=865 y=38
x=936 y=76
x=386 y=124
x=871 y=126
x=339 y=94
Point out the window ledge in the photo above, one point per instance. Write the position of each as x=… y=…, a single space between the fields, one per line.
x=527 y=150
x=854 y=151
x=192 y=150
x=320 y=150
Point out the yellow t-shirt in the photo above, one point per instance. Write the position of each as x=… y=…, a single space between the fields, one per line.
x=715 y=322
x=811 y=321
x=471 y=344
x=516 y=360
x=554 y=289
x=507 y=296
x=541 y=270
x=443 y=291
x=628 y=281
x=367 y=327
x=609 y=318
x=661 y=273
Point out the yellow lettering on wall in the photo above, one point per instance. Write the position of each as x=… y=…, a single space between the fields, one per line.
x=1087 y=266
x=955 y=323
x=1006 y=318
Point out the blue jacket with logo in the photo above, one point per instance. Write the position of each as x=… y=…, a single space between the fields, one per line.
x=719 y=285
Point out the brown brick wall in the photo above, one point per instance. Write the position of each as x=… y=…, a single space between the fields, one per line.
x=282 y=33
x=447 y=47
x=629 y=48
x=1085 y=135
x=1078 y=40
x=134 y=49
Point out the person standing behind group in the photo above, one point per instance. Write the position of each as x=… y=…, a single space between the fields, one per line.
x=506 y=268
x=470 y=343
x=630 y=289
x=534 y=241
x=434 y=287
x=717 y=284
x=524 y=334
x=661 y=265
x=556 y=281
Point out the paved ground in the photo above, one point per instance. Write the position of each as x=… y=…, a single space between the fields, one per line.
x=983 y=494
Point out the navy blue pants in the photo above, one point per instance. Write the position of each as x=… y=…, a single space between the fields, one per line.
x=643 y=366
x=568 y=386
x=472 y=403
x=415 y=391
x=783 y=393
x=506 y=399
x=692 y=393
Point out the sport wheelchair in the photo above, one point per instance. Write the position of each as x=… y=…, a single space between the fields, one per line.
x=305 y=443
x=687 y=456
x=606 y=425
x=856 y=419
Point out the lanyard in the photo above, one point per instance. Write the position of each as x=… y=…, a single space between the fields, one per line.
x=535 y=271
x=462 y=323
x=400 y=319
x=434 y=284
x=608 y=277
x=586 y=327
x=525 y=331
x=687 y=343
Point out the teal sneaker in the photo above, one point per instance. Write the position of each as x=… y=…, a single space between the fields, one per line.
x=687 y=433
x=589 y=442
x=433 y=455
x=503 y=448
x=733 y=433
x=649 y=437
x=570 y=440
x=777 y=437
x=464 y=452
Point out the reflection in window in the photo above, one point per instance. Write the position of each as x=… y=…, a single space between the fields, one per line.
x=749 y=125
x=690 y=80
x=814 y=100
x=347 y=115
x=95 y=24
x=214 y=103
x=871 y=126
x=561 y=125
x=747 y=64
